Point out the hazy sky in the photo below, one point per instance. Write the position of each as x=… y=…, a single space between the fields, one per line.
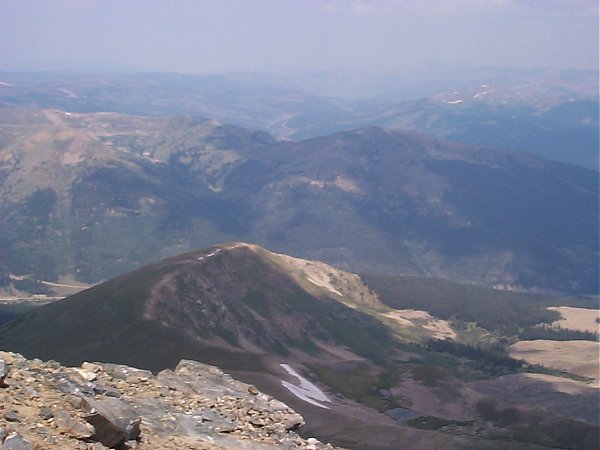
x=277 y=35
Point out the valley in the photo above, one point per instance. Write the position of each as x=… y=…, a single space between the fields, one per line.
x=330 y=344
x=299 y=225
x=415 y=290
x=546 y=113
x=89 y=196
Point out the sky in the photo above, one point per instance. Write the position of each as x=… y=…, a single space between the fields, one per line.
x=200 y=36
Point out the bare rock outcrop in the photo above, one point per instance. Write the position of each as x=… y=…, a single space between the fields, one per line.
x=44 y=405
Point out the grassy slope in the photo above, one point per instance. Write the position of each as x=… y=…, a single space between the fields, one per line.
x=491 y=309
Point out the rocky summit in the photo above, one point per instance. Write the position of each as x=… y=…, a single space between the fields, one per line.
x=44 y=405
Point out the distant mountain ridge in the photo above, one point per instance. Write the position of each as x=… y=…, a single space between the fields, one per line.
x=94 y=195
x=547 y=113
x=552 y=123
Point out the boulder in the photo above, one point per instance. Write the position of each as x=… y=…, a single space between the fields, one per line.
x=15 y=441
x=3 y=373
x=113 y=420
x=67 y=385
x=72 y=427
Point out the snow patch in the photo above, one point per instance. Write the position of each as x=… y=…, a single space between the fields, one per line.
x=479 y=94
x=306 y=390
x=200 y=258
x=453 y=102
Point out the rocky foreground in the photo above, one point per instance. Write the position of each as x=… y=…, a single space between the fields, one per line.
x=44 y=405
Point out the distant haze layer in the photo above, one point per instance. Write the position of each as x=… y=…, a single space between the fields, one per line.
x=199 y=36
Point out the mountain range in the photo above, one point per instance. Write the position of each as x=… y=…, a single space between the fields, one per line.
x=88 y=196
x=547 y=113
x=362 y=372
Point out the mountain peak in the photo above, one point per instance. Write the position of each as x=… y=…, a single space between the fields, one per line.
x=217 y=305
x=207 y=253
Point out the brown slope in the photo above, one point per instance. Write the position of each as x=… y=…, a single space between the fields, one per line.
x=217 y=305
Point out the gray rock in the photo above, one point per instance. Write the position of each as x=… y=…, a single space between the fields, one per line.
x=124 y=372
x=96 y=446
x=76 y=401
x=53 y=364
x=11 y=416
x=114 y=421
x=195 y=403
x=72 y=427
x=15 y=441
x=86 y=374
x=218 y=423
x=130 y=445
x=31 y=392
x=92 y=367
x=4 y=369
x=106 y=391
x=292 y=421
x=46 y=413
x=67 y=385
x=175 y=382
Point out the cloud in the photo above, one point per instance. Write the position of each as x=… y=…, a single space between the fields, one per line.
x=565 y=7
x=362 y=8
x=331 y=9
x=355 y=7
x=433 y=7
